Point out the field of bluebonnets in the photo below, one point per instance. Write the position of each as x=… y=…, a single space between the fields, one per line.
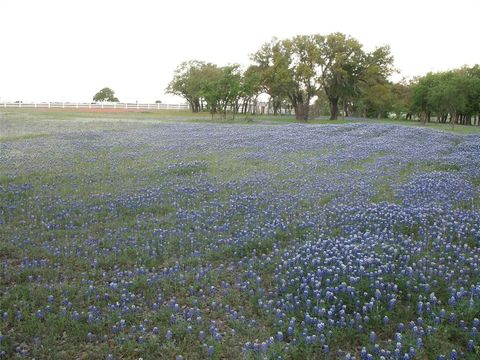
x=127 y=239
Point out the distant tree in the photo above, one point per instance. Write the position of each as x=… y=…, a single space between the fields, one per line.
x=187 y=82
x=158 y=101
x=275 y=77
x=221 y=88
x=402 y=97
x=106 y=94
x=218 y=88
x=369 y=87
x=289 y=69
x=209 y=90
x=229 y=88
x=420 y=102
x=347 y=70
x=378 y=100
x=250 y=87
x=449 y=95
x=452 y=96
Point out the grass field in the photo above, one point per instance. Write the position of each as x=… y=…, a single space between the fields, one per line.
x=167 y=235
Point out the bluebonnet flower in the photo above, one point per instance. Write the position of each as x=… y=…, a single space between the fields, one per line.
x=240 y=244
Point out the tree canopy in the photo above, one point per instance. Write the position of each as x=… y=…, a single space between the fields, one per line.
x=208 y=86
x=106 y=94
x=302 y=67
x=452 y=96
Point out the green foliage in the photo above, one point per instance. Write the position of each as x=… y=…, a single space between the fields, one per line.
x=307 y=66
x=378 y=99
x=275 y=75
x=228 y=88
x=106 y=94
x=206 y=85
x=328 y=71
x=343 y=64
x=250 y=87
x=453 y=94
x=187 y=82
x=402 y=97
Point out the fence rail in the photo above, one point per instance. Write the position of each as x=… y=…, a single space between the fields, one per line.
x=93 y=106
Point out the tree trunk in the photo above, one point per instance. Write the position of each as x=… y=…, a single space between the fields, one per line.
x=333 y=108
x=345 y=108
x=301 y=111
x=191 y=104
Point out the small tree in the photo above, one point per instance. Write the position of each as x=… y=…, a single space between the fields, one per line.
x=229 y=87
x=250 y=87
x=187 y=82
x=106 y=94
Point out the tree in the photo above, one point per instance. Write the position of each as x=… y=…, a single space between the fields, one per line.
x=187 y=83
x=378 y=100
x=250 y=86
x=274 y=73
x=289 y=69
x=106 y=94
x=229 y=88
x=210 y=76
x=402 y=97
x=341 y=59
x=219 y=88
x=346 y=70
x=473 y=94
x=421 y=104
x=449 y=94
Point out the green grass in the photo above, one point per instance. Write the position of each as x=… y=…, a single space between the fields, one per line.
x=159 y=116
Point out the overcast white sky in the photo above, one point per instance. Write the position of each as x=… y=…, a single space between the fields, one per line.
x=67 y=50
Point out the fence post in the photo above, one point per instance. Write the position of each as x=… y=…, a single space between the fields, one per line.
x=126 y=105
x=63 y=105
x=114 y=105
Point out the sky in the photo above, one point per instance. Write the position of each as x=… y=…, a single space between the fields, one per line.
x=67 y=50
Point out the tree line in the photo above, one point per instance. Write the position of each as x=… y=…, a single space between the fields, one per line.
x=328 y=75
x=451 y=96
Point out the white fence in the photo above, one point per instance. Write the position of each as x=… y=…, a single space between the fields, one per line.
x=94 y=106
